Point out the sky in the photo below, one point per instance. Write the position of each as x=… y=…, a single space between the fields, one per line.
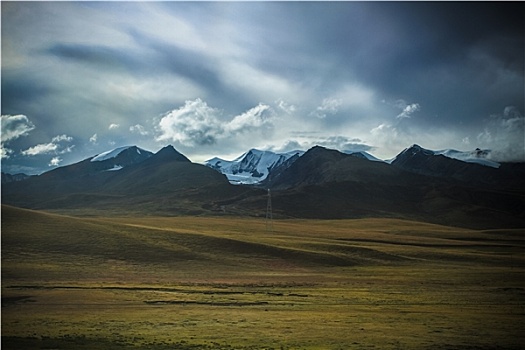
x=219 y=78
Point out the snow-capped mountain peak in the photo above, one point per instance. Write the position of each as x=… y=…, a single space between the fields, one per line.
x=114 y=153
x=251 y=167
x=417 y=149
x=119 y=158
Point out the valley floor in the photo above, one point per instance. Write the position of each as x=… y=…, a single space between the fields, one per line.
x=236 y=283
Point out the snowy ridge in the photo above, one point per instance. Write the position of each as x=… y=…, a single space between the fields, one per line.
x=119 y=158
x=111 y=154
x=251 y=167
x=477 y=156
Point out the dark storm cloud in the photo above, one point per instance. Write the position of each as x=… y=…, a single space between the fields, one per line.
x=98 y=56
x=20 y=89
x=438 y=54
x=457 y=59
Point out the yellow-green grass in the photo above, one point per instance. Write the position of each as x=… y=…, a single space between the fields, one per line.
x=220 y=283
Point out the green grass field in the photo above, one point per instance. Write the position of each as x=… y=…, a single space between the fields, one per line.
x=230 y=283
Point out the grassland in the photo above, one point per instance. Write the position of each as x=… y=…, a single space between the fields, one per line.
x=230 y=283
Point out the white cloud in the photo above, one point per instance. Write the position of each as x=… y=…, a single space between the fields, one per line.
x=56 y=145
x=408 y=110
x=14 y=126
x=192 y=124
x=253 y=118
x=60 y=138
x=113 y=126
x=55 y=161
x=42 y=148
x=139 y=129
x=5 y=152
x=196 y=123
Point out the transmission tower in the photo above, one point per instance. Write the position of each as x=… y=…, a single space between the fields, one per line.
x=269 y=214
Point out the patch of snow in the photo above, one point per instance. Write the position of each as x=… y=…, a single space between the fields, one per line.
x=115 y=168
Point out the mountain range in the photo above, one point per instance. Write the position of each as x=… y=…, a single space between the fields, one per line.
x=448 y=187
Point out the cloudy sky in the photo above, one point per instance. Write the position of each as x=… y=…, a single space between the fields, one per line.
x=219 y=78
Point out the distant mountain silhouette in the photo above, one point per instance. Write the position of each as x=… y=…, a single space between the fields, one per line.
x=6 y=178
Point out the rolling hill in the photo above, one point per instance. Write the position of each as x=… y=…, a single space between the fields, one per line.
x=152 y=282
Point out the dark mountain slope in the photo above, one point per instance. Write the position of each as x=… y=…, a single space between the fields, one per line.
x=166 y=182
x=320 y=165
x=87 y=176
x=418 y=160
x=165 y=172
